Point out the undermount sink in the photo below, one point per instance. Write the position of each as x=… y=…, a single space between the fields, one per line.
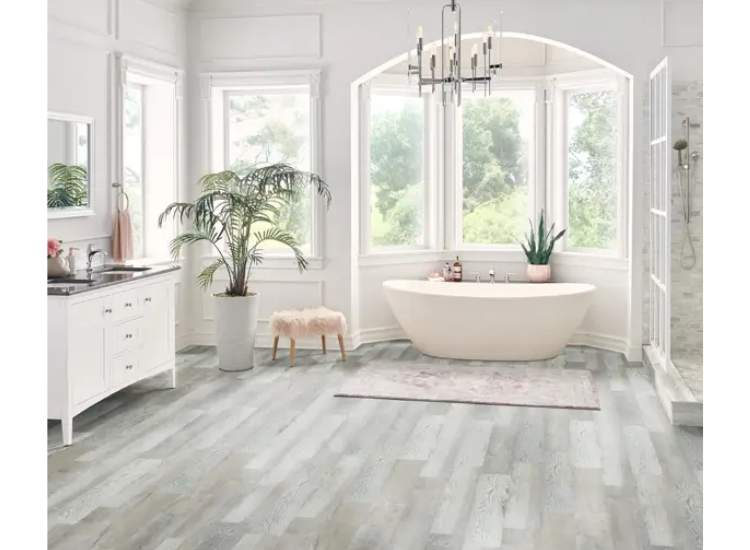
x=124 y=269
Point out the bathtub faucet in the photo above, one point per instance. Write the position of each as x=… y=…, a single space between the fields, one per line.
x=492 y=275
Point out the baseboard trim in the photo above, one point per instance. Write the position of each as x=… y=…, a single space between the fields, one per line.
x=394 y=332
x=265 y=340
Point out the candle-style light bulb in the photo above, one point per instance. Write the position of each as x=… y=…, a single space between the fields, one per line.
x=489 y=30
x=419 y=32
x=474 y=50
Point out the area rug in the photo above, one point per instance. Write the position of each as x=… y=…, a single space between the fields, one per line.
x=491 y=385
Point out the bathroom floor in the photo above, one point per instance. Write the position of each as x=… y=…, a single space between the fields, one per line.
x=269 y=459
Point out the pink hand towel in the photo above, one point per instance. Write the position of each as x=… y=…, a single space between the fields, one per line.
x=122 y=236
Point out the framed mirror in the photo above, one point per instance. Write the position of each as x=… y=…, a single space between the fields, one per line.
x=69 y=165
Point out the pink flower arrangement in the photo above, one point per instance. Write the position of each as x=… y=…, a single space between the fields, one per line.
x=54 y=248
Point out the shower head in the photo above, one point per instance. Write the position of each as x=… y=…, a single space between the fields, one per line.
x=680 y=144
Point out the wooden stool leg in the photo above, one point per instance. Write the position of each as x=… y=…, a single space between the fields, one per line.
x=341 y=347
x=275 y=347
x=292 y=351
x=323 y=342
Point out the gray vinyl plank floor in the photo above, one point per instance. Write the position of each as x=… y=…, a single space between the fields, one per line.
x=269 y=459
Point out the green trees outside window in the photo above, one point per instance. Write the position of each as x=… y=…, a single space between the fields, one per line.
x=592 y=169
x=397 y=184
x=272 y=128
x=497 y=132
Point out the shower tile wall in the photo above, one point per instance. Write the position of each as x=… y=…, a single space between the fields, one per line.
x=687 y=282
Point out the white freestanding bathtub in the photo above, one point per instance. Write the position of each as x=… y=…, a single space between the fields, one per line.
x=500 y=322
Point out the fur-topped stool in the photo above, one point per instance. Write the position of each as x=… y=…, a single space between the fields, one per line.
x=296 y=324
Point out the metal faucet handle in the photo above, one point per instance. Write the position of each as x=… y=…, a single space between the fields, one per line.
x=477 y=277
x=509 y=276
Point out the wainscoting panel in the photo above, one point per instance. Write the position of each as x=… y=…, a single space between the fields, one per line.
x=290 y=36
x=148 y=24
x=274 y=296
x=86 y=15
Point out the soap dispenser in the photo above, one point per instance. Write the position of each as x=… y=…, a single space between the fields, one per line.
x=71 y=259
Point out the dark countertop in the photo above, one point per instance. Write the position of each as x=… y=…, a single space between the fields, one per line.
x=80 y=282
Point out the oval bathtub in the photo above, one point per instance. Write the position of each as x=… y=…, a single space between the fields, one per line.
x=497 y=322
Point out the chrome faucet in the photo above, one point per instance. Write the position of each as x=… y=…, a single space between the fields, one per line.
x=492 y=275
x=508 y=276
x=90 y=253
x=477 y=278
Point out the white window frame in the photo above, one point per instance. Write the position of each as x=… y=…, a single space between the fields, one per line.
x=560 y=88
x=396 y=85
x=127 y=69
x=537 y=167
x=446 y=230
x=215 y=88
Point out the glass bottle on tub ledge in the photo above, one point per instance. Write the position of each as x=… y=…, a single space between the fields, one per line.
x=458 y=271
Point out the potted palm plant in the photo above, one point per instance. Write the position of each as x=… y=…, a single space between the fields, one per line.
x=236 y=215
x=538 y=249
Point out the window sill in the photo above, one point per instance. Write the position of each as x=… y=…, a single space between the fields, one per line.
x=489 y=255
x=271 y=262
x=402 y=257
x=596 y=261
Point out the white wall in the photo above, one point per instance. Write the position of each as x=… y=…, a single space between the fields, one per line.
x=346 y=39
x=83 y=36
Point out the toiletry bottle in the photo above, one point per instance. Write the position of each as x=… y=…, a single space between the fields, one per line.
x=71 y=259
x=458 y=271
x=447 y=272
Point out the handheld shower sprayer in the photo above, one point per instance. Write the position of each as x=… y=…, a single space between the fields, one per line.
x=680 y=145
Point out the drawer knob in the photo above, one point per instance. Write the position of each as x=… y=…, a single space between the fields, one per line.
x=128 y=335
x=107 y=310
x=128 y=304
x=148 y=299
x=128 y=367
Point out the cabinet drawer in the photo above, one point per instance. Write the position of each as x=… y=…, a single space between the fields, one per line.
x=124 y=367
x=127 y=335
x=126 y=305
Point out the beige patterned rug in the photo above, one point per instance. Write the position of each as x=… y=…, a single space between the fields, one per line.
x=512 y=385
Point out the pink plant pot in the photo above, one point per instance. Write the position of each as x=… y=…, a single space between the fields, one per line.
x=539 y=273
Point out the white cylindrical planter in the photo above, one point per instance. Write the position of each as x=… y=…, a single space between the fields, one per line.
x=539 y=273
x=236 y=322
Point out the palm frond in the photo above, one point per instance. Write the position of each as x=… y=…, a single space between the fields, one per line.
x=206 y=276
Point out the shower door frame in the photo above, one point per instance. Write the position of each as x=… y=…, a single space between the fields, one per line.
x=660 y=211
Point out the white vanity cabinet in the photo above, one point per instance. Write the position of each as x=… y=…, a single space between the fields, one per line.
x=102 y=340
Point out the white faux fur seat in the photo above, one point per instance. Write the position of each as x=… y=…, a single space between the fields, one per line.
x=294 y=324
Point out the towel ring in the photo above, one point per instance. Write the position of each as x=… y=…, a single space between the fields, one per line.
x=120 y=195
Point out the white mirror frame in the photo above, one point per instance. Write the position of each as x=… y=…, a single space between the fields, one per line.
x=77 y=211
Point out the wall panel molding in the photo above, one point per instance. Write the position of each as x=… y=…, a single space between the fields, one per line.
x=257 y=37
x=98 y=14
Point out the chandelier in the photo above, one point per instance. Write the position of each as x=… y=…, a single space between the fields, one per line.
x=451 y=82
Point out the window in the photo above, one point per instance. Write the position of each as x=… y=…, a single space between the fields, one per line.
x=592 y=168
x=132 y=156
x=497 y=134
x=149 y=152
x=467 y=179
x=267 y=127
x=396 y=170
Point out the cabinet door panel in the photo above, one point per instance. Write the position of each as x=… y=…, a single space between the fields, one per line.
x=88 y=375
x=158 y=332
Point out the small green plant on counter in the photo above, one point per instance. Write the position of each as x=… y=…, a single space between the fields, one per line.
x=68 y=185
x=539 y=245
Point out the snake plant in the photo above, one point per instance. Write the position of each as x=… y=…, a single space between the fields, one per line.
x=226 y=215
x=539 y=245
